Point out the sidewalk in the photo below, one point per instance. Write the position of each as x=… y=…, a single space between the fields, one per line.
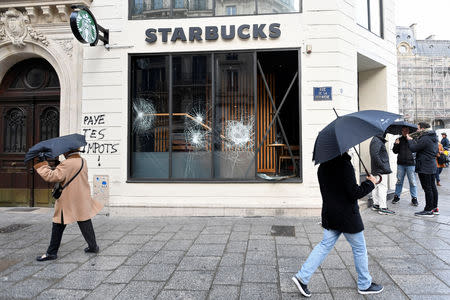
x=224 y=258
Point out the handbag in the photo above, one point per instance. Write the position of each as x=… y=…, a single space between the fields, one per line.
x=58 y=188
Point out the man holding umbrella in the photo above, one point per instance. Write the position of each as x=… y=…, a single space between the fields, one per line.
x=75 y=203
x=340 y=194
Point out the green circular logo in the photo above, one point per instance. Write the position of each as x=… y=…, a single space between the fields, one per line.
x=86 y=26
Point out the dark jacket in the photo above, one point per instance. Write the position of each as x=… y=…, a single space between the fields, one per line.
x=379 y=157
x=426 y=148
x=340 y=192
x=445 y=143
x=405 y=157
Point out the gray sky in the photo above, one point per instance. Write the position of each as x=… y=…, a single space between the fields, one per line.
x=431 y=16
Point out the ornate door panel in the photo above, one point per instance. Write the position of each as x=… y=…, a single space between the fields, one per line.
x=29 y=106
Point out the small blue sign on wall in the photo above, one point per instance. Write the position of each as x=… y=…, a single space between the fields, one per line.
x=322 y=93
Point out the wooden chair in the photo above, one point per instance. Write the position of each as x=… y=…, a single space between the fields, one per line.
x=285 y=155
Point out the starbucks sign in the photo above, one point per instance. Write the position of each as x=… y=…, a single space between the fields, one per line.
x=85 y=28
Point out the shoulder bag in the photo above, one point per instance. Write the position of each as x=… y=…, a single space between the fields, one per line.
x=58 y=188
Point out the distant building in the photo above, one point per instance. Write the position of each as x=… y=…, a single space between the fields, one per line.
x=423 y=78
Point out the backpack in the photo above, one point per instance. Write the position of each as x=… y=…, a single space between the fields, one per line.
x=442 y=159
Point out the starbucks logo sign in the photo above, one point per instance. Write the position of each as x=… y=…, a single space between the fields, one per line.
x=84 y=26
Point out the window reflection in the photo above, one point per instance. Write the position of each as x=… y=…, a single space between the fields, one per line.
x=147 y=9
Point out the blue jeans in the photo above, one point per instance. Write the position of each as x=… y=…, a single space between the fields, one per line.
x=320 y=252
x=409 y=170
x=438 y=172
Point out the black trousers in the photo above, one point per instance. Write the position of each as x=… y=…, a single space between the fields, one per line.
x=86 y=228
x=429 y=187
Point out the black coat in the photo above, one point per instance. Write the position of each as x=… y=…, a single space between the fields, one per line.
x=379 y=157
x=405 y=157
x=340 y=194
x=426 y=148
x=445 y=143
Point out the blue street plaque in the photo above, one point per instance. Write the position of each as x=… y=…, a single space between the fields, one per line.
x=322 y=93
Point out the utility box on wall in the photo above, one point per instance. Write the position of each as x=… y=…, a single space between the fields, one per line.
x=101 y=190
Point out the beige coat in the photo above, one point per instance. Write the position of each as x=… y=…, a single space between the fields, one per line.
x=75 y=202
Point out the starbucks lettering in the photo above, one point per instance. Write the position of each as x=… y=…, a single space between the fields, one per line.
x=212 y=33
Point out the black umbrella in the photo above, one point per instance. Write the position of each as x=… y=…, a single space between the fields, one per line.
x=396 y=127
x=52 y=148
x=349 y=130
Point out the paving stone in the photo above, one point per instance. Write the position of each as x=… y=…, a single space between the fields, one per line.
x=212 y=239
x=432 y=262
x=283 y=240
x=156 y=272
x=139 y=258
x=266 y=291
x=338 y=278
x=428 y=297
x=23 y=272
x=333 y=262
x=26 y=289
x=103 y=263
x=105 y=291
x=183 y=235
x=346 y=293
x=318 y=284
x=123 y=274
x=171 y=228
x=255 y=273
x=444 y=275
x=290 y=264
x=140 y=290
x=389 y=292
x=402 y=266
x=217 y=230
x=63 y=294
x=239 y=247
x=239 y=236
x=261 y=245
x=429 y=284
x=292 y=296
x=162 y=236
x=82 y=280
x=167 y=257
x=120 y=249
x=241 y=227
x=286 y=283
x=443 y=254
x=206 y=250
x=199 y=263
x=55 y=270
x=190 y=280
x=293 y=250
x=228 y=275
x=152 y=246
x=182 y=295
x=224 y=292
x=181 y=245
x=134 y=239
x=261 y=258
x=414 y=248
x=232 y=259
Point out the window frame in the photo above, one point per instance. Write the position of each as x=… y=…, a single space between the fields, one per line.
x=369 y=23
x=212 y=54
x=130 y=15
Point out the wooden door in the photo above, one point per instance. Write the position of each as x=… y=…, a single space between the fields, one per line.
x=29 y=106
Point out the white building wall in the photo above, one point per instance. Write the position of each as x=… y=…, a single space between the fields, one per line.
x=327 y=25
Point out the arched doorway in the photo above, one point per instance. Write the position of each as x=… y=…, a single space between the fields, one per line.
x=29 y=106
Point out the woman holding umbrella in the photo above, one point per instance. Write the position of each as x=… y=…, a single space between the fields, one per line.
x=75 y=203
x=340 y=194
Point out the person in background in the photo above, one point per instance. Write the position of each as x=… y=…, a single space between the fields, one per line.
x=440 y=167
x=444 y=141
x=425 y=144
x=75 y=203
x=340 y=214
x=405 y=166
x=379 y=159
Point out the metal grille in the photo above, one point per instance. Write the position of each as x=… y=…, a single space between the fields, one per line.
x=49 y=123
x=282 y=230
x=15 y=131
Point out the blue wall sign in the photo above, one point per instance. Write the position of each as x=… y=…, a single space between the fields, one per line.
x=322 y=93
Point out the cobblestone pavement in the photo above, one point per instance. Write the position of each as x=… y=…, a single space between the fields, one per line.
x=224 y=258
